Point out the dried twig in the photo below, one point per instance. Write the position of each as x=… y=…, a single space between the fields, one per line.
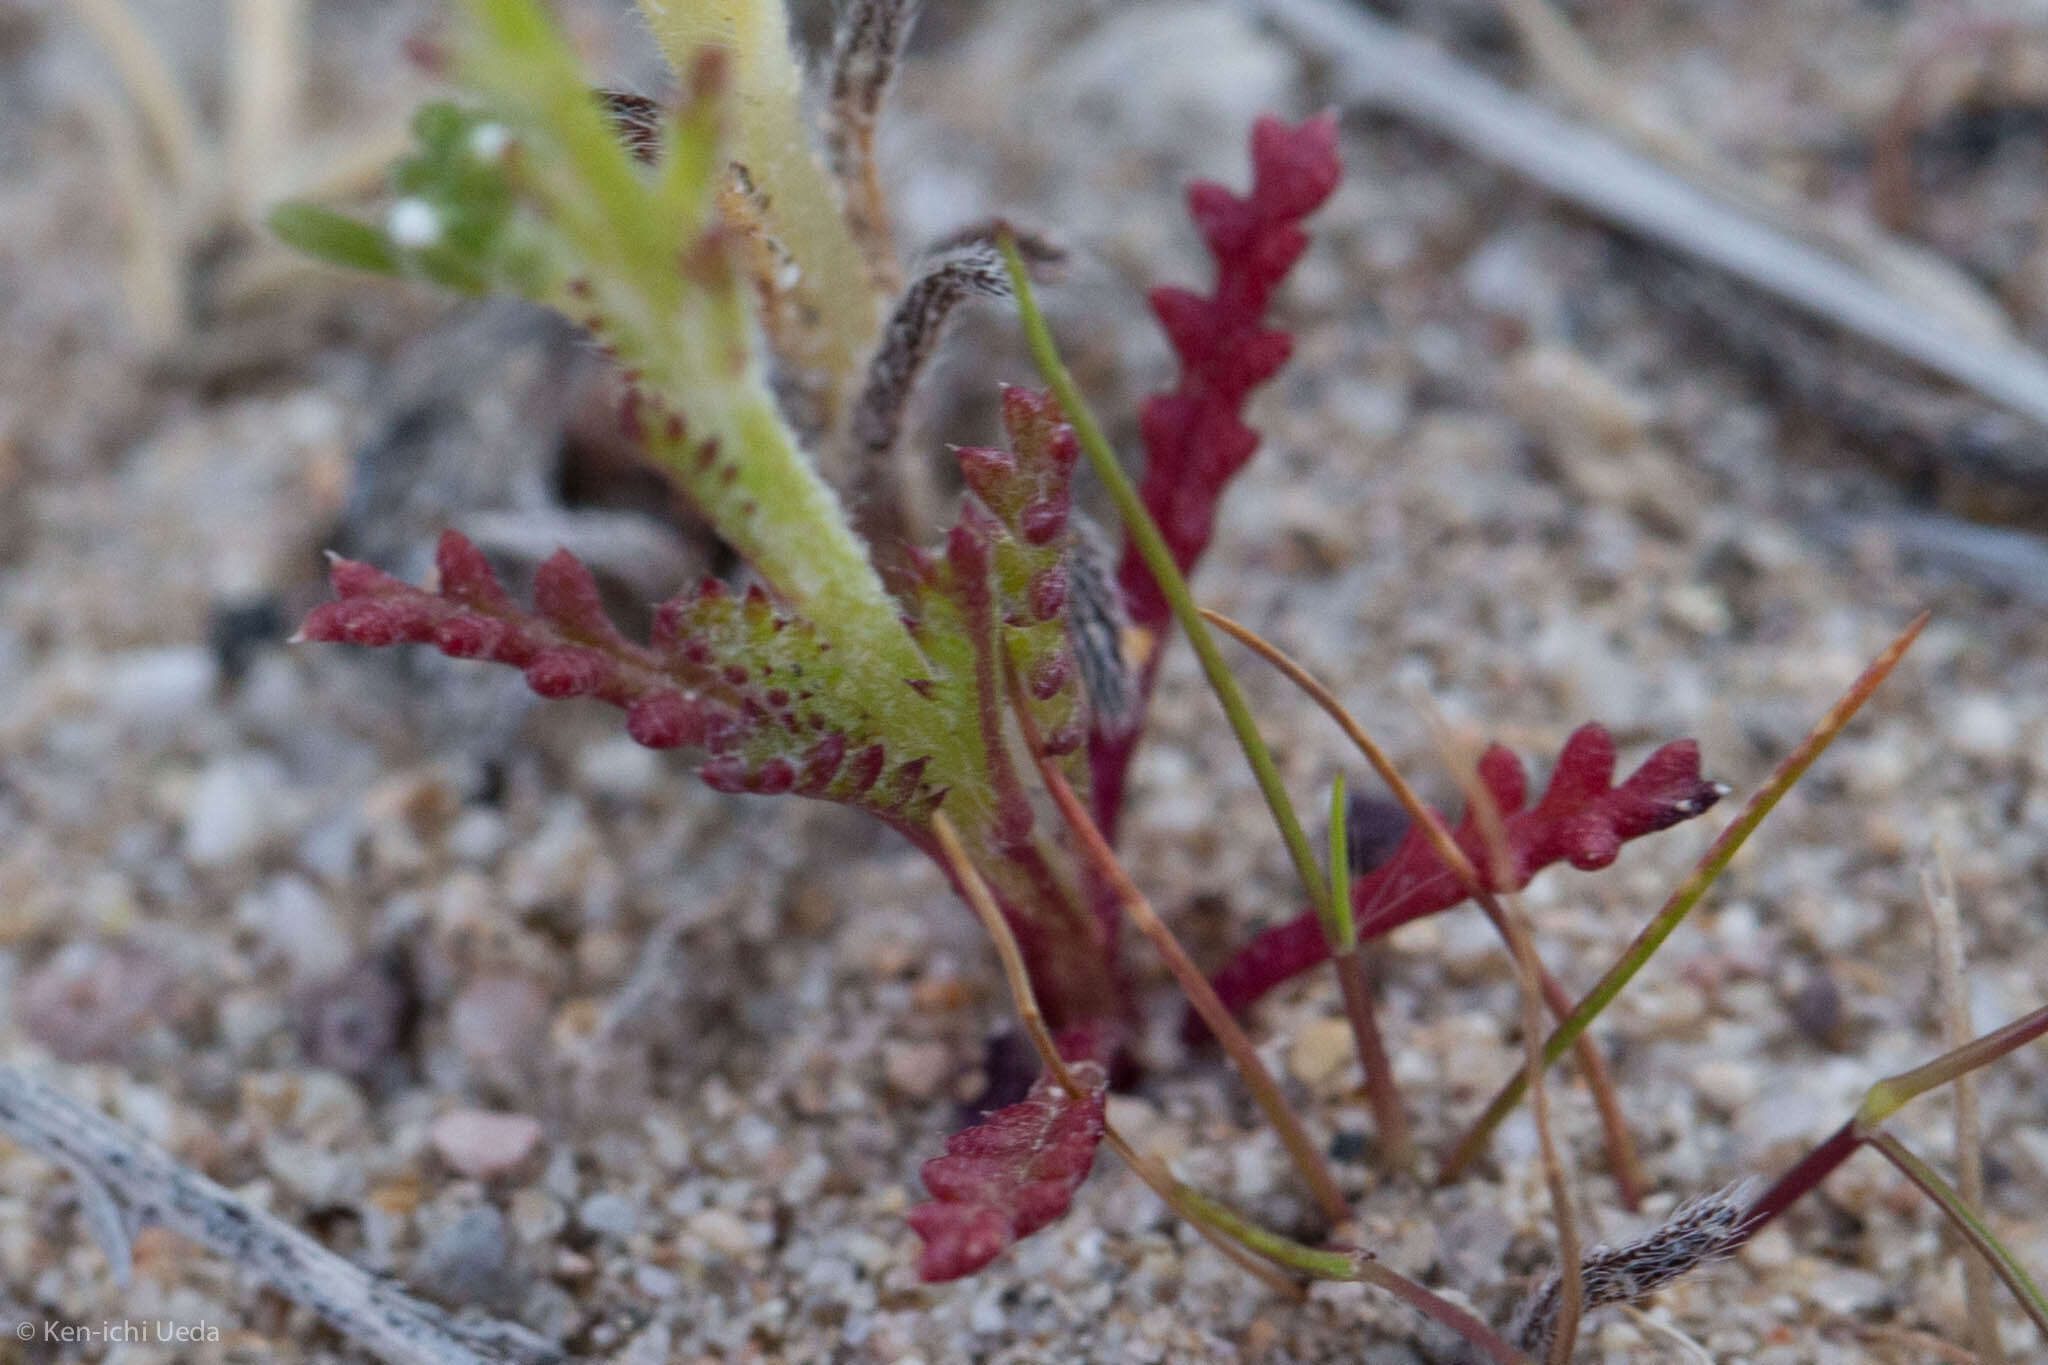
x=126 y=1184
x=1917 y=276
x=1377 y=64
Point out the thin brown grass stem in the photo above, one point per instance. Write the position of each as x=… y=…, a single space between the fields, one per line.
x=1265 y=1090
x=1620 y=1143
x=1514 y=928
x=1382 y=1092
x=1938 y=888
x=1095 y=850
x=1444 y=1311
x=974 y=888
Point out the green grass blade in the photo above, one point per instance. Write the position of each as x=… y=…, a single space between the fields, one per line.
x=1337 y=920
x=1151 y=546
x=1968 y=1226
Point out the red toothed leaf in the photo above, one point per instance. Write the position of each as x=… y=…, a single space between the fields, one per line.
x=1195 y=436
x=1009 y=1175
x=994 y=599
x=727 y=673
x=1582 y=819
x=1195 y=440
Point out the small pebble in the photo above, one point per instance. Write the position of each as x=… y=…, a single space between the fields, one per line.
x=499 y=1024
x=916 y=1070
x=482 y=1144
x=158 y=686
x=608 y=1214
x=1321 y=1052
x=537 y=1216
x=296 y=922
x=230 y=810
x=620 y=769
x=723 y=1231
x=1983 y=725
x=90 y=999
x=1727 y=1085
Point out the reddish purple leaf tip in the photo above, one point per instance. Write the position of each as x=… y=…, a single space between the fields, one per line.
x=1582 y=819
x=1009 y=1175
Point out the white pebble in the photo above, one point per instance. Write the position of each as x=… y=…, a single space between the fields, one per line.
x=1727 y=1085
x=1982 y=725
x=158 y=685
x=481 y=1144
x=723 y=1231
x=297 y=924
x=916 y=1070
x=230 y=809
x=477 y=837
x=620 y=769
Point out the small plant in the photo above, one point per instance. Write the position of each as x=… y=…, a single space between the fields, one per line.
x=706 y=250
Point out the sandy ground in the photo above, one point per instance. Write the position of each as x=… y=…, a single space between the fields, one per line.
x=285 y=909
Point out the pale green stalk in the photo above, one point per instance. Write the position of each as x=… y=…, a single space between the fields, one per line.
x=688 y=332
x=1968 y=1225
x=771 y=139
x=1338 y=924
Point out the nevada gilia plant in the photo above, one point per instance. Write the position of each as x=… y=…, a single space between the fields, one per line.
x=751 y=298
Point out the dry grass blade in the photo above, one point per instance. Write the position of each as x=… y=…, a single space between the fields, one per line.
x=1938 y=888
x=267 y=61
x=1621 y=1147
x=148 y=81
x=1096 y=852
x=1688 y=893
x=1563 y=1324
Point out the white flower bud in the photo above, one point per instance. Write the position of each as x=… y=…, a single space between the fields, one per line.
x=488 y=141
x=413 y=224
